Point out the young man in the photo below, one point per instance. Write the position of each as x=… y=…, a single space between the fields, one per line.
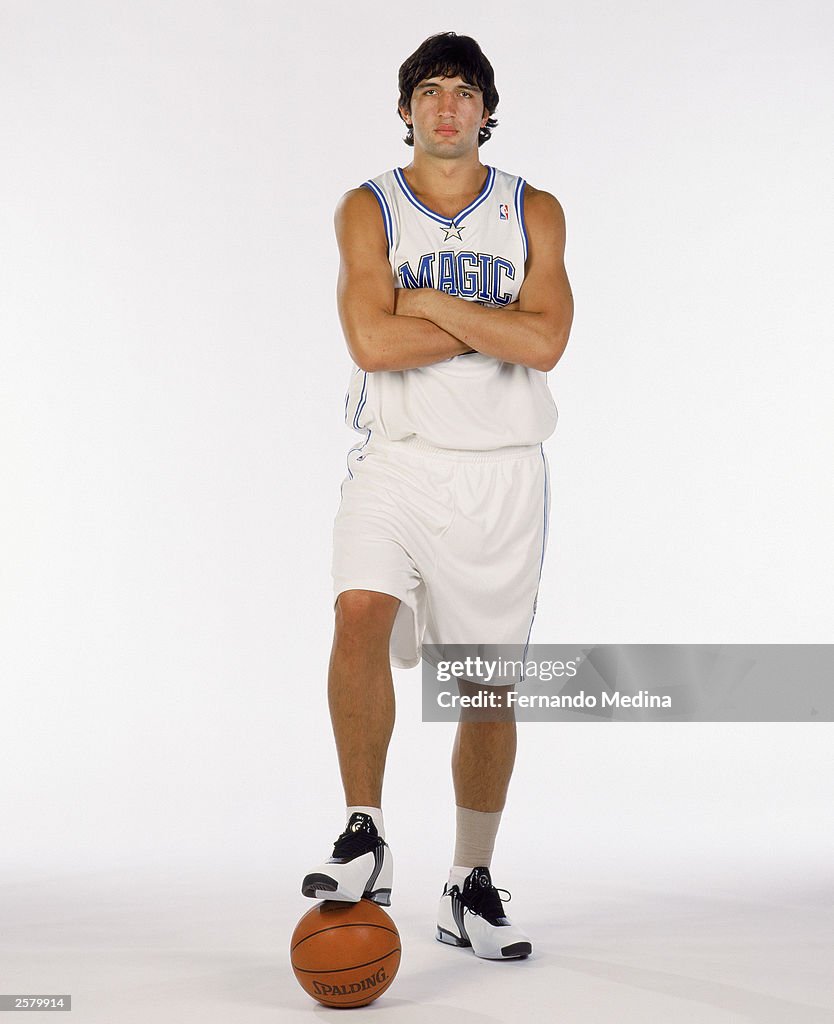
x=455 y=303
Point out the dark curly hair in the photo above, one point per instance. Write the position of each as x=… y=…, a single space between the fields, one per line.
x=449 y=55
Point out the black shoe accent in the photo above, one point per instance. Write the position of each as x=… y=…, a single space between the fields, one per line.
x=444 y=935
x=318 y=883
x=519 y=949
x=481 y=897
x=380 y=896
x=378 y=858
x=359 y=837
x=457 y=914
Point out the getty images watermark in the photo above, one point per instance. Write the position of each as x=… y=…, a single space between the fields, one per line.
x=629 y=682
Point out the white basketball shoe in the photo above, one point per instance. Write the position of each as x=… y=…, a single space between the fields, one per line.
x=475 y=917
x=361 y=866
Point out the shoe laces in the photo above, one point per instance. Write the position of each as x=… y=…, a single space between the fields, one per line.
x=487 y=902
x=350 y=843
x=482 y=897
x=358 y=837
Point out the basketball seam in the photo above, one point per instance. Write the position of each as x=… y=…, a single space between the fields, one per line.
x=339 y=970
x=350 y=924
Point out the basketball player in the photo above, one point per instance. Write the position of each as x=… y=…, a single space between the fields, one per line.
x=455 y=303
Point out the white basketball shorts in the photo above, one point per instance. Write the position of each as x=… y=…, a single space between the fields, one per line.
x=458 y=536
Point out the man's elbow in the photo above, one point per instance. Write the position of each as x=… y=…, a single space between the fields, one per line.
x=552 y=351
x=370 y=363
x=364 y=352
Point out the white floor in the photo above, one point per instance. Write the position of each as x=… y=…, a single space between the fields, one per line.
x=136 y=946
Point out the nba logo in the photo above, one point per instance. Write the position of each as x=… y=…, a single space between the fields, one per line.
x=503 y=211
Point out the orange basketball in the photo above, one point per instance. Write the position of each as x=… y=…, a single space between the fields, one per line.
x=345 y=954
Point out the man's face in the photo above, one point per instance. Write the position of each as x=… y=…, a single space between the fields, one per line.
x=447 y=114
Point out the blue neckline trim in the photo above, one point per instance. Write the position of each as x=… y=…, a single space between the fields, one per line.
x=445 y=221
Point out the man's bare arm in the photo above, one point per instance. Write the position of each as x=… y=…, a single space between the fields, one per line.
x=537 y=334
x=377 y=339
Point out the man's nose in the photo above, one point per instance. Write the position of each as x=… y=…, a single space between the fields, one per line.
x=448 y=104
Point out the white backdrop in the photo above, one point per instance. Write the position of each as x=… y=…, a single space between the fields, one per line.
x=172 y=378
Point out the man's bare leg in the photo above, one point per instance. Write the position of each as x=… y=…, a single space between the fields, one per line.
x=361 y=696
x=361 y=691
x=482 y=764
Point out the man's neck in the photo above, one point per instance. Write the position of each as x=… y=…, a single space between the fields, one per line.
x=438 y=177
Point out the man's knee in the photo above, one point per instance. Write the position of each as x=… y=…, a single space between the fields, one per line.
x=365 y=614
x=485 y=704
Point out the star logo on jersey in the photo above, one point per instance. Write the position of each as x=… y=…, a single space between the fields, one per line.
x=452 y=231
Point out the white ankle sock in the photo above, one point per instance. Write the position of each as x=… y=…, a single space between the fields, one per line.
x=374 y=812
x=458 y=875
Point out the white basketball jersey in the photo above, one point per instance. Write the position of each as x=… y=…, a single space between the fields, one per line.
x=470 y=401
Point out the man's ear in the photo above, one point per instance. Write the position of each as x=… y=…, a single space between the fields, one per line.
x=405 y=114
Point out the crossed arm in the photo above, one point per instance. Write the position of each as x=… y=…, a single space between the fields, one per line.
x=396 y=329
